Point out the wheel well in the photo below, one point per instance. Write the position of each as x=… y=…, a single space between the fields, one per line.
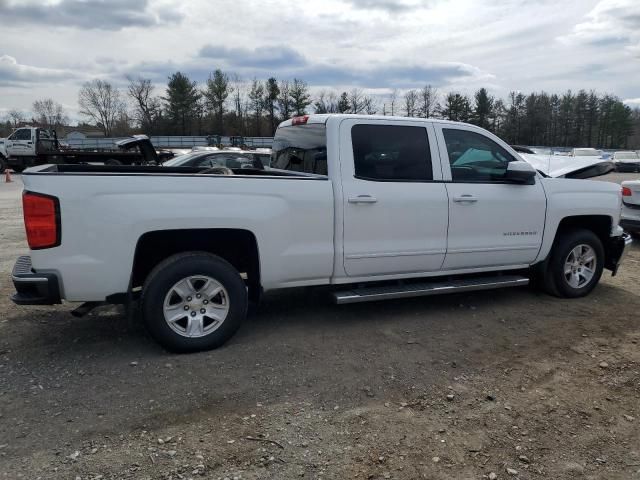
x=598 y=224
x=238 y=247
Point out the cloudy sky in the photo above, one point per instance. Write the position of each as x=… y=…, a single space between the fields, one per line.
x=49 y=47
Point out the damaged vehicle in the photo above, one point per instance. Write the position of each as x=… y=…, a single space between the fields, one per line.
x=373 y=207
x=626 y=161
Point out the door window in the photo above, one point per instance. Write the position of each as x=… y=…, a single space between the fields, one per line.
x=474 y=157
x=391 y=153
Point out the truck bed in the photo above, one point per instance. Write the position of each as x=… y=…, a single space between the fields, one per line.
x=105 y=210
x=86 y=169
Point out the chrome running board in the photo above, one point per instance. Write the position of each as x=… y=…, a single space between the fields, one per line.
x=369 y=294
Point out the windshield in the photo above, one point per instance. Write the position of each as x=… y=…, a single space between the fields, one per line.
x=302 y=148
x=181 y=159
x=586 y=152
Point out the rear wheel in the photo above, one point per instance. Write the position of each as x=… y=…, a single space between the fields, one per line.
x=3 y=164
x=193 y=301
x=576 y=264
x=112 y=161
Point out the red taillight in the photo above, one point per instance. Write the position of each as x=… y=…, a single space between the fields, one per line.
x=41 y=220
x=626 y=192
x=301 y=120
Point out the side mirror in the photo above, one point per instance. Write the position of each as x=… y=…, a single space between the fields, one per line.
x=520 y=172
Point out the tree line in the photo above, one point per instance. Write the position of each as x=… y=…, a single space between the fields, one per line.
x=227 y=105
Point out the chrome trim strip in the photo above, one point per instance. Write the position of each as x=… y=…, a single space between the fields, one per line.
x=355 y=256
x=29 y=279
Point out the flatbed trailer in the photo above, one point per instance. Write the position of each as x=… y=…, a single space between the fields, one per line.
x=32 y=146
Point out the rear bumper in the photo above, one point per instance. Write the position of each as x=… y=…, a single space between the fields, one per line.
x=33 y=288
x=628 y=166
x=616 y=251
x=630 y=225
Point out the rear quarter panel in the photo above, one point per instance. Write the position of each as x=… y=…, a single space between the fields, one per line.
x=103 y=216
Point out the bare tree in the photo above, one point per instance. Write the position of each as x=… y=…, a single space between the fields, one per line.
x=393 y=99
x=410 y=101
x=101 y=101
x=356 y=100
x=428 y=101
x=256 y=98
x=147 y=106
x=327 y=102
x=370 y=107
x=49 y=113
x=16 y=117
x=238 y=88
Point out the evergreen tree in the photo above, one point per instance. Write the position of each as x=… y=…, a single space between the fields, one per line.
x=483 y=110
x=216 y=93
x=343 y=103
x=300 y=98
x=181 y=99
x=284 y=100
x=271 y=94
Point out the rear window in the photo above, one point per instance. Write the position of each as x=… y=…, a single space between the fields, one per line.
x=302 y=148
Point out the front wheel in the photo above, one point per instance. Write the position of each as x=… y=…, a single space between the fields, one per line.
x=3 y=164
x=193 y=301
x=576 y=264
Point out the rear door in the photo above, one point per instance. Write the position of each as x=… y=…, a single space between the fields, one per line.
x=492 y=222
x=394 y=201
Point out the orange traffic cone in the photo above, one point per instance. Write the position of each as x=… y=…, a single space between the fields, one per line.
x=7 y=176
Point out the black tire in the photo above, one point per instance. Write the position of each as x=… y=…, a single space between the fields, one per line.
x=555 y=281
x=112 y=161
x=167 y=274
x=3 y=164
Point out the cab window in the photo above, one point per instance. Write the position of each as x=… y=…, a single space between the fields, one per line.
x=391 y=153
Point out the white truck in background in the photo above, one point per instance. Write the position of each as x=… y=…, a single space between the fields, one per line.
x=31 y=146
x=377 y=207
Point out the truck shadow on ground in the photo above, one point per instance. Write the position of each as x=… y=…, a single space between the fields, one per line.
x=309 y=318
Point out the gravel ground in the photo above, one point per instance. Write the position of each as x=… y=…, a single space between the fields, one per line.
x=503 y=384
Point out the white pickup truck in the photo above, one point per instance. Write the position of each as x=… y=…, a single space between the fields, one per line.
x=378 y=207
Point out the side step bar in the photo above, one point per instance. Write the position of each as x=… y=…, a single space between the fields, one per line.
x=368 y=294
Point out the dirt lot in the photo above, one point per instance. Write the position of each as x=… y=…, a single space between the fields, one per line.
x=505 y=384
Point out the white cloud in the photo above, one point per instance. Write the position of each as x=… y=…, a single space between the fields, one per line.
x=374 y=44
x=13 y=73
x=610 y=22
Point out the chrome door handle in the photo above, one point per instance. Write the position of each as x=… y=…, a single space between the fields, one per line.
x=465 y=199
x=363 y=199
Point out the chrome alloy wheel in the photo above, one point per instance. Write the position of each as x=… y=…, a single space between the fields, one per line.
x=196 y=306
x=580 y=266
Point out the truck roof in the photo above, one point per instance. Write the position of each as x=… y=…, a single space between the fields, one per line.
x=324 y=117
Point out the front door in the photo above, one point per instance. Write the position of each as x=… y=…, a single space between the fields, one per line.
x=20 y=143
x=394 y=201
x=491 y=222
